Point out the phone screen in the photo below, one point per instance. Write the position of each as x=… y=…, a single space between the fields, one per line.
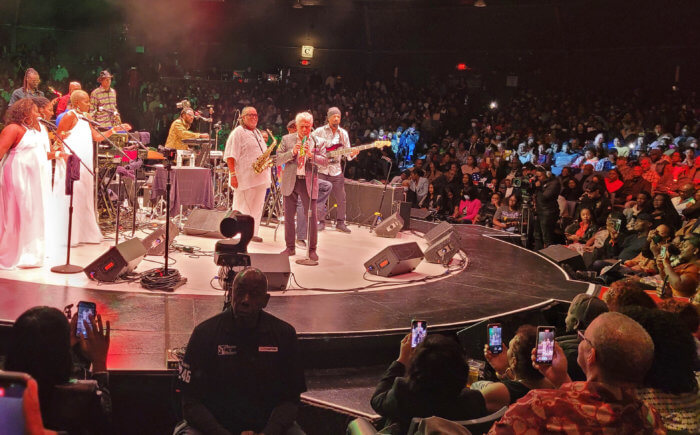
x=419 y=329
x=85 y=310
x=495 y=338
x=11 y=410
x=545 y=344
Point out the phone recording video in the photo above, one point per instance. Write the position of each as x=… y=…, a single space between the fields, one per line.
x=495 y=338
x=12 y=386
x=85 y=310
x=545 y=344
x=419 y=329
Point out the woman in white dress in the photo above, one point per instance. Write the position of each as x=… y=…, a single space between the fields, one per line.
x=78 y=135
x=25 y=187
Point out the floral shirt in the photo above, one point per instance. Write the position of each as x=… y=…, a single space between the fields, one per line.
x=577 y=408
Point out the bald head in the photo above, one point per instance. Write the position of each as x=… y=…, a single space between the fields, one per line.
x=73 y=86
x=77 y=96
x=623 y=349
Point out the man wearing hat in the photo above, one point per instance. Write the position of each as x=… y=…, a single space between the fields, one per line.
x=103 y=103
x=179 y=130
x=335 y=137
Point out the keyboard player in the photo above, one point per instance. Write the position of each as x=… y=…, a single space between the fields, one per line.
x=179 y=130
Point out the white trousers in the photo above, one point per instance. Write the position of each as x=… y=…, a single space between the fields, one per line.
x=251 y=202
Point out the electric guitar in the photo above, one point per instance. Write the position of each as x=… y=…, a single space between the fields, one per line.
x=336 y=151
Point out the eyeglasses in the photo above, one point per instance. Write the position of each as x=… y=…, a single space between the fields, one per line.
x=582 y=337
x=252 y=115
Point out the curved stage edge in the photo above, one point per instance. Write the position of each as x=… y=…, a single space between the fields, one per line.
x=339 y=329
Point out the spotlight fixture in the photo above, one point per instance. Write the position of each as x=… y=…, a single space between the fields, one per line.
x=479 y=4
x=493 y=105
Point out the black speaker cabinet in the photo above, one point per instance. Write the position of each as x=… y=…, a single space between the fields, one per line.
x=205 y=223
x=390 y=226
x=438 y=232
x=117 y=261
x=562 y=255
x=443 y=249
x=404 y=210
x=395 y=260
x=275 y=267
x=155 y=242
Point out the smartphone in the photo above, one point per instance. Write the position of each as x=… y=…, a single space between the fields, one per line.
x=495 y=338
x=12 y=386
x=545 y=344
x=85 y=310
x=663 y=252
x=617 y=224
x=419 y=329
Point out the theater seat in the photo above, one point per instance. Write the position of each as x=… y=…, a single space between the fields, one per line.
x=436 y=424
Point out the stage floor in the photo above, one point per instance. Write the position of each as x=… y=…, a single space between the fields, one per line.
x=500 y=278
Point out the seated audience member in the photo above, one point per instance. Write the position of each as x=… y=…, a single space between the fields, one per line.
x=514 y=368
x=615 y=353
x=685 y=198
x=615 y=226
x=682 y=278
x=507 y=217
x=631 y=245
x=580 y=235
x=664 y=213
x=571 y=192
x=40 y=345
x=468 y=207
x=644 y=263
x=613 y=185
x=488 y=210
x=417 y=187
x=425 y=381
x=402 y=178
x=670 y=386
x=634 y=184
x=689 y=315
x=434 y=200
x=626 y=292
x=583 y=309
x=641 y=205
x=595 y=199
x=242 y=369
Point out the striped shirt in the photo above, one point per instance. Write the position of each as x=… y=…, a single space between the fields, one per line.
x=108 y=100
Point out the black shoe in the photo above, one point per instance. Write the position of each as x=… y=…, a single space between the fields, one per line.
x=342 y=228
x=289 y=252
x=313 y=255
x=301 y=244
x=321 y=226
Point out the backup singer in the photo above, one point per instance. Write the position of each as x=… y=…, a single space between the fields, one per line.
x=103 y=102
x=243 y=146
x=78 y=135
x=179 y=130
x=25 y=187
x=335 y=137
x=297 y=151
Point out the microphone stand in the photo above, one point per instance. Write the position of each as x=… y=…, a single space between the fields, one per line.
x=377 y=216
x=308 y=261
x=68 y=268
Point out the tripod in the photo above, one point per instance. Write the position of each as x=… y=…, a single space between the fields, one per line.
x=273 y=202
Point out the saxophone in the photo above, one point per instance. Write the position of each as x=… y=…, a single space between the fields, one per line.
x=264 y=161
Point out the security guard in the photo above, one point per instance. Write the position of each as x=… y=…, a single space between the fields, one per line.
x=242 y=369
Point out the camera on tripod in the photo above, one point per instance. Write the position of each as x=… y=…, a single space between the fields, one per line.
x=231 y=253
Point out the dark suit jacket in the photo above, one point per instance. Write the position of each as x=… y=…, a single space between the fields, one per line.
x=289 y=175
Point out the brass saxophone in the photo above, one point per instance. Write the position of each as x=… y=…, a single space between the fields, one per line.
x=264 y=161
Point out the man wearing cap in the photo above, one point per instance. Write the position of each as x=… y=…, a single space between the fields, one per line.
x=335 y=137
x=244 y=146
x=103 y=102
x=179 y=130
x=242 y=370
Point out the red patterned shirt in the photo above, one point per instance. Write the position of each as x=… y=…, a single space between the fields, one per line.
x=576 y=408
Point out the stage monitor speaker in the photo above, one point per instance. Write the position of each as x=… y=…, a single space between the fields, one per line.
x=442 y=250
x=404 y=210
x=562 y=255
x=438 y=232
x=390 y=226
x=275 y=267
x=419 y=213
x=205 y=223
x=154 y=241
x=395 y=260
x=117 y=261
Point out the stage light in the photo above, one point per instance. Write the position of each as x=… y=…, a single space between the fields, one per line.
x=305 y=62
x=462 y=66
x=631 y=145
x=493 y=105
x=479 y=4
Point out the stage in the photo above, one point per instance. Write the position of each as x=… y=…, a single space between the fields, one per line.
x=499 y=278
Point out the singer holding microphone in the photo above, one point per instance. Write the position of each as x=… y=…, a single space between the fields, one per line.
x=76 y=131
x=300 y=152
x=179 y=130
x=103 y=103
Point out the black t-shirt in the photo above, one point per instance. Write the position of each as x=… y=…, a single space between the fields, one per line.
x=515 y=389
x=241 y=375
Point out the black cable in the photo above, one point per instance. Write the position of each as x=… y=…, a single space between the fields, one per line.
x=156 y=279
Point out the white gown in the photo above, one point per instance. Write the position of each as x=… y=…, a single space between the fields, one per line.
x=25 y=201
x=85 y=228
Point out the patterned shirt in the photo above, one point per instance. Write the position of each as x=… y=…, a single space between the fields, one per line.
x=579 y=407
x=107 y=99
x=680 y=412
x=337 y=140
x=20 y=93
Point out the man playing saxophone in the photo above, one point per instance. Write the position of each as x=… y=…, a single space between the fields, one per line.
x=244 y=146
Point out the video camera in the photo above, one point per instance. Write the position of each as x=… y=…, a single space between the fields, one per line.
x=232 y=256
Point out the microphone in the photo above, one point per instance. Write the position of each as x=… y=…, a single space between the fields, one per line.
x=110 y=111
x=49 y=124
x=89 y=121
